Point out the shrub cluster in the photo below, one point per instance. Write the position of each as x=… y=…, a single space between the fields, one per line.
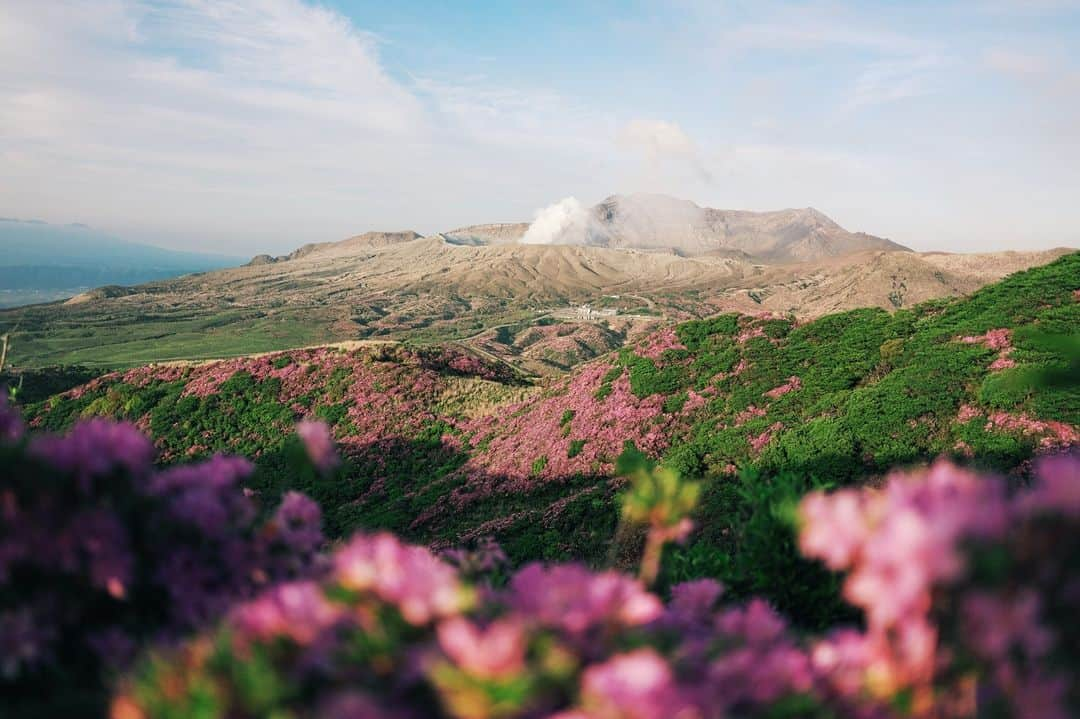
x=968 y=593
x=968 y=609
x=102 y=553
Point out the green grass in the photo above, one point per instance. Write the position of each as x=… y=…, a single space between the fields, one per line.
x=120 y=342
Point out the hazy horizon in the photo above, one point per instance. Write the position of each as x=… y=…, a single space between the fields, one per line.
x=260 y=125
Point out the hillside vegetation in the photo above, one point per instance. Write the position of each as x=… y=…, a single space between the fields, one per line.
x=445 y=448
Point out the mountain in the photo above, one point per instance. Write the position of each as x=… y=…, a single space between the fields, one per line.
x=445 y=446
x=40 y=260
x=352 y=245
x=662 y=223
x=431 y=289
x=636 y=262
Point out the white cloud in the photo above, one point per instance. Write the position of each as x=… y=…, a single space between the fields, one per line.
x=268 y=122
x=257 y=125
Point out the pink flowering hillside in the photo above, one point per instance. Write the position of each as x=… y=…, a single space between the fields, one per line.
x=443 y=448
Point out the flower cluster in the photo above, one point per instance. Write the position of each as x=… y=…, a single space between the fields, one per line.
x=962 y=587
x=656 y=344
x=522 y=434
x=792 y=384
x=390 y=633
x=101 y=552
x=967 y=590
x=999 y=340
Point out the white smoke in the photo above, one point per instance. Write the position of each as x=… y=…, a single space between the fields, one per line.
x=566 y=222
x=664 y=146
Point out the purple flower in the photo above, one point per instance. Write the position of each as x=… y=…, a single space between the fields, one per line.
x=572 y=598
x=114 y=647
x=297 y=610
x=206 y=495
x=24 y=641
x=1057 y=488
x=692 y=603
x=355 y=705
x=298 y=522
x=319 y=442
x=96 y=448
x=486 y=556
x=106 y=546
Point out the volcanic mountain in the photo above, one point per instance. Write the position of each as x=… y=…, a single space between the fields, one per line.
x=642 y=261
x=662 y=223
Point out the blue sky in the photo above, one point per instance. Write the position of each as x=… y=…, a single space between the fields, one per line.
x=258 y=125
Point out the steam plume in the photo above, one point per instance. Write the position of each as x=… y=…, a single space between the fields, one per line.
x=567 y=222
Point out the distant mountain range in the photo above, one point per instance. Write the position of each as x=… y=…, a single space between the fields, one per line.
x=41 y=261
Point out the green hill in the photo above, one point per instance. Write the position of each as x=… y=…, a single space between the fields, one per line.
x=446 y=448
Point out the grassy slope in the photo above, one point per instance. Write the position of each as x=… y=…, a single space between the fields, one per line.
x=441 y=454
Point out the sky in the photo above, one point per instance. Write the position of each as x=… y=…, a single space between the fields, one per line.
x=247 y=126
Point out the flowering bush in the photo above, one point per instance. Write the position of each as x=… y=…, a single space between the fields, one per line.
x=966 y=601
x=961 y=586
x=968 y=593
x=391 y=632
x=100 y=552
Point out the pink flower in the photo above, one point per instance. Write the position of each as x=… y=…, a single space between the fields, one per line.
x=411 y=578
x=1053 y=433
x=749 y=333
x=657 y=344
x=748 y=414
x=574 y=599
x=967 y=413
x=758 y=441
x=495 y=652
x=319 y=443
x=792 y=384
x=635 y=685
x=297 y=610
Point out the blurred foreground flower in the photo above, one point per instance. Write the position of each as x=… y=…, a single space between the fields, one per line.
x=318 y=441
x=101 y=553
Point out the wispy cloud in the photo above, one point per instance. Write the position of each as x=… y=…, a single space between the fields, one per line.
x=893 y=80
x=663 y=145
